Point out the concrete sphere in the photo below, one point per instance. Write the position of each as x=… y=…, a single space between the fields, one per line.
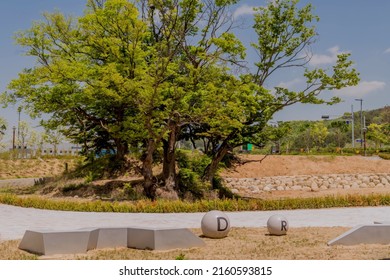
x=215 y=224
x=277 y=225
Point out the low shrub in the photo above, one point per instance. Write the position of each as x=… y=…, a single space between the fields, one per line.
x=384 y=156
x=191 y=167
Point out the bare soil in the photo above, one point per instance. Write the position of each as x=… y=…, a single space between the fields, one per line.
x=281 y=165
x=258 y=166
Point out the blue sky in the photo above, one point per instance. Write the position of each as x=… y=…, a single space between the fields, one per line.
x=356 y=26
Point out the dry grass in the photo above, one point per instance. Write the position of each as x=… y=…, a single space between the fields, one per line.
x=34 y=168
x=9 y=251
x=241 y=244
x=179 y=206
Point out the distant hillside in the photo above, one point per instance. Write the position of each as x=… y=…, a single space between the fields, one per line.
x=379 y=116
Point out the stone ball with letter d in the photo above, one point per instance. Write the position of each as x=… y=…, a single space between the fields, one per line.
x=215 y=224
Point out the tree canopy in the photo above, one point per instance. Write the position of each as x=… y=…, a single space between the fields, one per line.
x=143 y=75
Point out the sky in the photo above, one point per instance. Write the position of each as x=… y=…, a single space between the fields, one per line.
x=360 y=27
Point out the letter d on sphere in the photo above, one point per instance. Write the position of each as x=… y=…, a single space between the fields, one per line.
x=225 y=223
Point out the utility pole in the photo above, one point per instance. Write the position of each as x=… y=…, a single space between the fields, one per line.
x=19 y=111
x=13 y=138
x=353 y=127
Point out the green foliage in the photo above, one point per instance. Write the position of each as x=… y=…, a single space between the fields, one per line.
x=104 y=167
x=194 y=160
x=304 y=135
x=90 y=177
x=284 y=31
x=3 y=128
x=130 y=192
x=84 y=71
x=191 y=167
x=384 y=156
x=319 y=132
x=223 y=192
x=379 y=133
x=180 y=257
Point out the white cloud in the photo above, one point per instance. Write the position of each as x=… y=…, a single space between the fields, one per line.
x=321 y=59
x=387 y=51
x=291 y=84
x=244 y=10
x=363 y=88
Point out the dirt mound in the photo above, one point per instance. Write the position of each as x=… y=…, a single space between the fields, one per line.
x=281 y=165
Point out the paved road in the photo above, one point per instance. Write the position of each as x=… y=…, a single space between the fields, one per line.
x=14 y=221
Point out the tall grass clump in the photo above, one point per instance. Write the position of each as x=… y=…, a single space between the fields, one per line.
x=180 y=206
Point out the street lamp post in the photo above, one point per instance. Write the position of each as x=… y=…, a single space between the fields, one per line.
x=361 y=121
x=364 y=133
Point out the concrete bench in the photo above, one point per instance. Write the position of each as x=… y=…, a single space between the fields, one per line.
x=47 y=242
x=162 y=239
x=365 y=234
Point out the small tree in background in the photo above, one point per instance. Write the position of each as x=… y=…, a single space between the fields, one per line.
x=3 y=129
x=379 y=134
x=54 y=138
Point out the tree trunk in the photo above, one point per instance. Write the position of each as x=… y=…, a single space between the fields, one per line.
x=169 y=161
x=221 y=152
x=212 y=168
x=147 y=171
x=122 y=149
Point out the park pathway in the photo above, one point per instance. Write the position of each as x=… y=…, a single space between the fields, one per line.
x=14 y=221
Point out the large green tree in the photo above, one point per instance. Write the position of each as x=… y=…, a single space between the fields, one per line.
x=144 y=74
x=132 y=75
x=284 y=34
x=192 y=83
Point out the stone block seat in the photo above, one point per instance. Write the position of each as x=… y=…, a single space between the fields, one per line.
x=378 y=233
x=49 y=242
